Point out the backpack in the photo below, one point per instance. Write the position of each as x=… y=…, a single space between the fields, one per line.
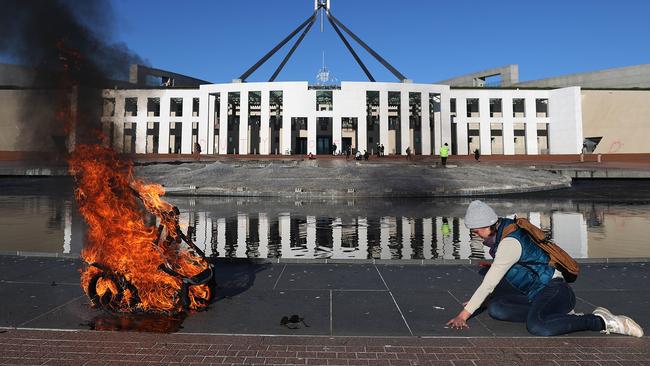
x=558 y=258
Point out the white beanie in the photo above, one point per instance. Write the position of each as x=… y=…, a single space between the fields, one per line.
x=479 y=215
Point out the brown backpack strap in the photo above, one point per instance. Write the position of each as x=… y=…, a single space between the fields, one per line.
x=507 y=230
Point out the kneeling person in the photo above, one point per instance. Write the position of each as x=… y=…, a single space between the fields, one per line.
x=546 y=301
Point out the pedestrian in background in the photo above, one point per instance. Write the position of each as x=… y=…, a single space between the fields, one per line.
x=444 y=153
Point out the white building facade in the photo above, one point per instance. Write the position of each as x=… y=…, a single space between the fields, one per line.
x=296 y=118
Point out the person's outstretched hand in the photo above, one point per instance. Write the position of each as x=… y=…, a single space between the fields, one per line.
x=460 y=321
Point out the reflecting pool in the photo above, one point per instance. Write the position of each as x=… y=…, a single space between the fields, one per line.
x=594 y=219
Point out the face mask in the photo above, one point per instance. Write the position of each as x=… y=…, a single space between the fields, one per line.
x=490 y=241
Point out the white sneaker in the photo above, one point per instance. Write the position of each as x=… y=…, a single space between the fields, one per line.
x=620 y=324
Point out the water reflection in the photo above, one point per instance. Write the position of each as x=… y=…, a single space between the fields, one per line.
x=288 y=235
x=44 y=220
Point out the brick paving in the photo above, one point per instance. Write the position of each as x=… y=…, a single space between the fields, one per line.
x=44 y=347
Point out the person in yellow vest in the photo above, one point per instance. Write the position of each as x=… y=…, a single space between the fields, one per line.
x=444 y=153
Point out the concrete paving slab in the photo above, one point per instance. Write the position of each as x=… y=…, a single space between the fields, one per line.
x=331 y=276
x=635 y=304
x=260 y=312
x=23 y=302
x=427 y=313
x=366 y=312
x=76 y=314
x=235 y=278
x=251 y=298
x=621 y=276
x=15 y=268
x=428 y=277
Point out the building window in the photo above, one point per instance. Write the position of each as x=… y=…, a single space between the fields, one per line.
x=195 y=134
x=519 y=108
x=452 y=106
x=153 y=135
x=195 y=107
x=254 y=108
x=496 y=138
x=349 y=123
x=176 y=107
x=153 y=107
x=130 y=107
x=520 y=138
x=415 y=110
x=324 y=100
x=495 y=108
x=472 y=107
x=109 y=107
x=175 y=137
x=129 y=138
x=542 y=138
x=541 y=108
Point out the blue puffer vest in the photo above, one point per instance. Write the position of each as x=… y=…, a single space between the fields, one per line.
x=532 y=272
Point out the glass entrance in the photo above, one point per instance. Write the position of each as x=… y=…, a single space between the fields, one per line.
x=323 y=145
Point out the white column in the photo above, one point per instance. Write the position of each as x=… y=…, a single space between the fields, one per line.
x=337 y=251
x=383 y=119
x=242 y=148
x=118 y=124
x=67 y=228
x=163 y=139
x=223 y=123
x=484 y=126
x=570 y=233
x=362 y=236
x=384 y=236
x=508 y=138
x=210 y=119
x=311 y=135
x=407 y=248
x=208 y=236
x=465 y=249
x=405 y=126
x=186 y=143
x=284 y=228
x=285 y=134
x=426 y=125
x=265 y=141
x=221 y=236
x=461 y=126
x=141 y=135
x=242 y=234
x=535 y=218
x=508 y=127
x=205 y=127
x=531 y=137
x=439 y=119
x=337 y=132
x=201 y=230
x=362 y=134
x=263 y=233
x=427 y=237
x=311 y=236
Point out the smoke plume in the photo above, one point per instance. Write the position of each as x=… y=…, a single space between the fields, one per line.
x=68 y=43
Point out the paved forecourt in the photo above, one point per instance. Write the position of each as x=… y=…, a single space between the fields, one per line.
x=334 y=299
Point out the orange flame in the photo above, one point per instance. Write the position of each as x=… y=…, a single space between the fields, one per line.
x=123 y=244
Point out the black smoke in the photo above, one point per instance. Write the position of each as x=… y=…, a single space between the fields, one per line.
x=69 y=45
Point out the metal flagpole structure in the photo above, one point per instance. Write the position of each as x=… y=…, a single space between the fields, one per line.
x=322 y=6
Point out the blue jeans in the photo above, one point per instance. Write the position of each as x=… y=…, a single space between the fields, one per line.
x=547 y=314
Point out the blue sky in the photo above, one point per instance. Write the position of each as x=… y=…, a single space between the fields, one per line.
x=427 y=40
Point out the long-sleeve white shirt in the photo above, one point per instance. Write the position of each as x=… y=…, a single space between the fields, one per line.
x=508 y=253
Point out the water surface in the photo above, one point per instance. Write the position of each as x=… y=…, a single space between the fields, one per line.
x=594 y=219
